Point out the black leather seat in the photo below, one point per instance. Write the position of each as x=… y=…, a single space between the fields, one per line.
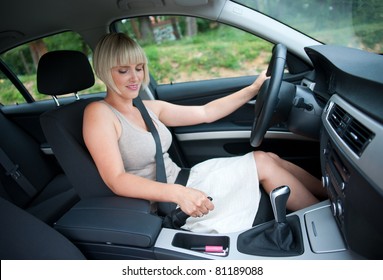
x=24 y=237
x=63 y=130
x=63 y=126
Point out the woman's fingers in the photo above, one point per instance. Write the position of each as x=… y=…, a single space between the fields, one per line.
x=196 y=203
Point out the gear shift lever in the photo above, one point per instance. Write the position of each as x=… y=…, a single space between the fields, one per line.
x=278 y=198
x=281 y=237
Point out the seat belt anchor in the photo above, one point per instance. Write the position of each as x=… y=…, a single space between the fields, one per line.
x=14 y=172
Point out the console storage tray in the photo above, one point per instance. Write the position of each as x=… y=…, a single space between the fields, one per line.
x=192 y=241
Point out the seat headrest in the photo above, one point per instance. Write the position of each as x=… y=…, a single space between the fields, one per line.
x=63 y=72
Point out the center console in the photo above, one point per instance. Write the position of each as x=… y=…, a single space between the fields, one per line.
x=113 y=228
x=321 y=239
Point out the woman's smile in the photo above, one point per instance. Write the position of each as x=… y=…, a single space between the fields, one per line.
x=133 y=87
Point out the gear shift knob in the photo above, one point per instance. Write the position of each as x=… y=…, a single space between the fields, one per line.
x=278 y=198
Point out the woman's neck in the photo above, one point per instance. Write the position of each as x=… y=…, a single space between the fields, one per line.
x=122 y=104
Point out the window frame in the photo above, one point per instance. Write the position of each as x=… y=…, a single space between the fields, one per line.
x=12 y=77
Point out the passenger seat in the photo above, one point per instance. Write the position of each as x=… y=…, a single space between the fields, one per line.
x=53 y=194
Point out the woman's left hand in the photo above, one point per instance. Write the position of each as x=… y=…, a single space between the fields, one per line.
x=257 y=84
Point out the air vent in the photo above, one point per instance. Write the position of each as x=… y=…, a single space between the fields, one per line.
x=353 y=133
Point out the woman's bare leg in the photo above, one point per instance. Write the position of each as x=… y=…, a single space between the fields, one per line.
x=274 y=172
x=313 y=184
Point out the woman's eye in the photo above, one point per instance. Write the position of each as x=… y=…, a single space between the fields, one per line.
x=122 y=71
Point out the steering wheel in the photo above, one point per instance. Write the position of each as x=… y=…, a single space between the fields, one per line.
x=267 y=98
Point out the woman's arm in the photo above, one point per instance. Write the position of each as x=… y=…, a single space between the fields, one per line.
x=101 y=131
x=177 y=115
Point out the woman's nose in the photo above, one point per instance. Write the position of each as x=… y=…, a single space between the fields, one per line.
x=133 y=76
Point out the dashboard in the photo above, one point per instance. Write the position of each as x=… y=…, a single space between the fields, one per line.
x=350 y=83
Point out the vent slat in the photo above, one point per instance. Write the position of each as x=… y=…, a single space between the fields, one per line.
x=354 y=134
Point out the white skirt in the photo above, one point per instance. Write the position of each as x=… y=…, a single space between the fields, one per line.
x=233 y=184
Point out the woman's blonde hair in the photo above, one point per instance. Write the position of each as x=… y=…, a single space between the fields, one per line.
x=116 y=49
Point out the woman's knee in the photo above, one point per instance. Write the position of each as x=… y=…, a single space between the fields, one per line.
x=273 y=156
x=266 y=163
x=265 y=157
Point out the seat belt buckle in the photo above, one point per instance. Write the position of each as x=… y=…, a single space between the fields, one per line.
x=14 y=172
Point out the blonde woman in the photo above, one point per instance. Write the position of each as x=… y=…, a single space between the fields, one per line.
x=124 y=151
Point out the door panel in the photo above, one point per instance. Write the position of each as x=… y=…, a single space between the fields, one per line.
x=230 y=135
x=27 y=115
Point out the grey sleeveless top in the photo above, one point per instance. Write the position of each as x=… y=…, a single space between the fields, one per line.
x=138 y=148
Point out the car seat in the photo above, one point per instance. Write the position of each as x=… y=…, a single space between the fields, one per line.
x=24 y=237
x=52 y=194
x=63 y=72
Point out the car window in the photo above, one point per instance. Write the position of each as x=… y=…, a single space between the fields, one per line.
x=23 y=60
x=183 y=49
x=356 y=23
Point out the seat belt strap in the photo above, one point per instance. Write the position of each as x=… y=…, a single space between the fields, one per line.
x=160 y=165
x=13 y=170
x=164 y=208
x=183 y=176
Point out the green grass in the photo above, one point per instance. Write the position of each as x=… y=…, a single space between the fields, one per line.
x=204 y=55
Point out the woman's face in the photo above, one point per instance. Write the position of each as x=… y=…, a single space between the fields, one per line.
x=128 y=79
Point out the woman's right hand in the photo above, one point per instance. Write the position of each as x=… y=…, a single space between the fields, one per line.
x=194 y=202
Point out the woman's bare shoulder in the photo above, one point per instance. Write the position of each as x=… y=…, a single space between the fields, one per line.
x=156 y=106
x=99 y=118
x=96 y=106
x=98 y=115
x=97 y=109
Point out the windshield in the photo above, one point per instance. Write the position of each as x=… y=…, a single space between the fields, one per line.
x=351 y=23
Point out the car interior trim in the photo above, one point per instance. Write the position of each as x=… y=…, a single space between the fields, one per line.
x=369 y=162
x=245 y=134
